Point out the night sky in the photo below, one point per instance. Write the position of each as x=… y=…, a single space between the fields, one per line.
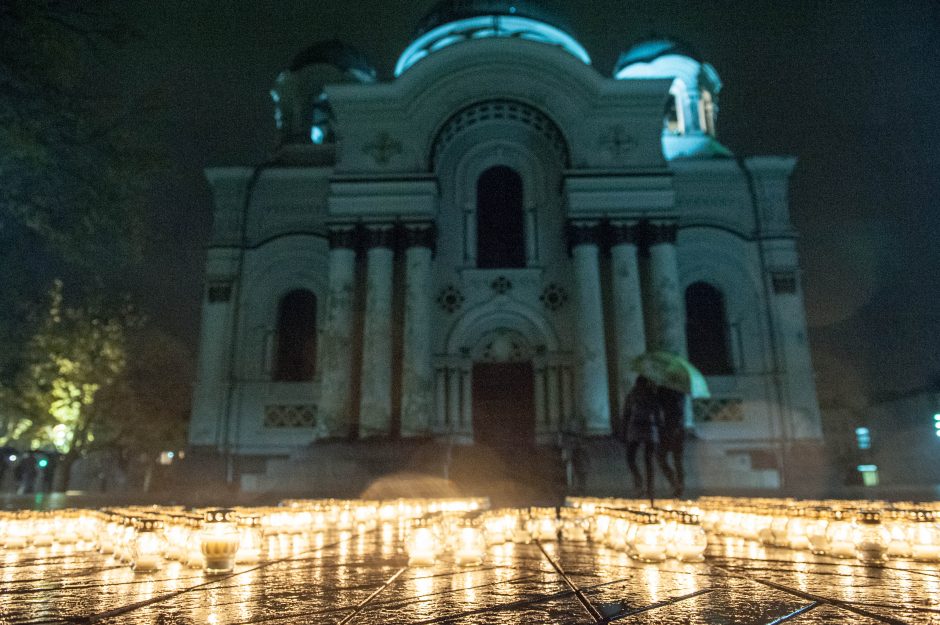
x=851 y=88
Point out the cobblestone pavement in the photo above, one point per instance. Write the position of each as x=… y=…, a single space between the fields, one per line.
x=364 y=578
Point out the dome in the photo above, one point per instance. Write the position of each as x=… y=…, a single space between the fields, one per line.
x=302 y=111
x=692 y=106
x=650 y=50
x=340 y=55
x=455 y=21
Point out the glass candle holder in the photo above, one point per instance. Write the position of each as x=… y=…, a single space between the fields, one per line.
x=899 y=533
x=689 y=540
x=422 y=545
x=870 y=536
x=840 y=543
x=192 y=552
x=17 y=532
x=470 y=547
x=816 y=526
x=219 y=541
x=924 y=536
x=149 y=546
x=42 y=531
x=250 y=540
x=648 y=542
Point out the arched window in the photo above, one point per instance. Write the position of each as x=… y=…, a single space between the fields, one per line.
x=500 y=230
x=296 y=354
x=674 y=118
x=707 y=112
x=707 y=330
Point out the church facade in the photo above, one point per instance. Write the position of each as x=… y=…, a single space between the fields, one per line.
x=477 y=249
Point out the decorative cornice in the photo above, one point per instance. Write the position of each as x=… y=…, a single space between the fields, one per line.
x=379 y=236
x=420 y=235
x=621 y=233
x=662 y=233
x=344 y=238
x=583 y=234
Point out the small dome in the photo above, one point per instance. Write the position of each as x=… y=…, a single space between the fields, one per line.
x=650 y=50
x=455 y=21
x=448 y=11
x=338 y=54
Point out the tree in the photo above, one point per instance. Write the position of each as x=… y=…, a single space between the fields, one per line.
x=73 y=165
x=76 y=353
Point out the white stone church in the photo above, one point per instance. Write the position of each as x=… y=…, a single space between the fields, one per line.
x=476 y=249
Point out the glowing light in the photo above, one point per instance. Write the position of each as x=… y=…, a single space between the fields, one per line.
x=489 y=26
x=43 y=463
x=12 y=458
x=317 y=136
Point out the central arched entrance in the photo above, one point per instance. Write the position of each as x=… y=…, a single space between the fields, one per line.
x=503 y=391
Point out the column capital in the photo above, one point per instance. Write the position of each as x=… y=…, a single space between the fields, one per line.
x=583 y=233
x=660 y=233
x=420 y=235
x=342 y=238
x=624 y=232
x=379 y=235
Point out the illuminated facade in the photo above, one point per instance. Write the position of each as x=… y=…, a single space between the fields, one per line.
x=475 y=250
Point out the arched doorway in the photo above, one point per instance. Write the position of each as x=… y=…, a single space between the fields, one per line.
x=503 y=389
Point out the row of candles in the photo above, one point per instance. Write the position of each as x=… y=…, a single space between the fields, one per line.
x=864 y=530
x=462 y=530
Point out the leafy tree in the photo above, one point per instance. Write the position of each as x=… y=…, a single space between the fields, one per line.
x=76 y=353
x=72 y=163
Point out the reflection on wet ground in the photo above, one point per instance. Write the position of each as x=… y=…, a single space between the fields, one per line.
x=352 y=577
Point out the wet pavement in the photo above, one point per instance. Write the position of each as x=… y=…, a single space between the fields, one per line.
x=342 y=577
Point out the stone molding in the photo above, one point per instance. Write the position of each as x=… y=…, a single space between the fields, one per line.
x=420 y=235
x=662 y=233
x=379 y=236
x=345 y=238
x=583 y=234
x=621 y=233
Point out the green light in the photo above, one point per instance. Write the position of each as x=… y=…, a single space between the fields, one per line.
x=43 y=463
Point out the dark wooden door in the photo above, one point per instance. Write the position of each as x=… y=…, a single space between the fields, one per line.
x=504 y=404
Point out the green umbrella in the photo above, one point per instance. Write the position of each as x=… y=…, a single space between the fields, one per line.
x=672 y=371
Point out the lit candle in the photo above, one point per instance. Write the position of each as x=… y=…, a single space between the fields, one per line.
x=924 y=536
x=647 y=544
x=147 y=552
x=219 y=541
x=470 y=547
x=422 y=546
x=689 y=540
x=251 y=541
x=839 y=536
x=871 y=538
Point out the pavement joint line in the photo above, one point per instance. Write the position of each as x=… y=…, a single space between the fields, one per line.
x=838 y=603
x=365 y=602
x=94 y=618
x=653 y=606
x=803 y=610
x=584 y=601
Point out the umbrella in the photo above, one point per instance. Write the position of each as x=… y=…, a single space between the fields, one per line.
x=672 y=371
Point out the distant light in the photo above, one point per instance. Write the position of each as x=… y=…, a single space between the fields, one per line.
x=863 y=437
x=43 y=463
x=864 y=468
x=12 y=458
x=170 y=454
x=317 y=135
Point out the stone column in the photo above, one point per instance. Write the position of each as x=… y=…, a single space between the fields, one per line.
x=466 y=401
x=453 y=401
x=440 y=400
x=213 y=373
x=335 y=407
x=668 y=300
x=375 y=404
x=469 y=235
x=592 y=400
x=417 y=393
x=553 y=385
x=628 y=304
x=531 y=236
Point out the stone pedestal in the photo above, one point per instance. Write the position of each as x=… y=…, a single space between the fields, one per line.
x=592 y=400
x=668 y=300
x=628 y=305
x=335 y=362
x=417 y=372
x=375 y=403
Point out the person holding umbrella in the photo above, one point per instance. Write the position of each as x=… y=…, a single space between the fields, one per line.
x=643 y=424
x=676 y=380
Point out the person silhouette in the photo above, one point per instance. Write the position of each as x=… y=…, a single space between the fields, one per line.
x=642 y=418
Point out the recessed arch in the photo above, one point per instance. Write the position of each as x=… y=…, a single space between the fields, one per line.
x=296 y=337
x=707 y=329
